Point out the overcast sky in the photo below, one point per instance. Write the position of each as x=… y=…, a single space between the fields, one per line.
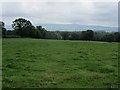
x=85 y=13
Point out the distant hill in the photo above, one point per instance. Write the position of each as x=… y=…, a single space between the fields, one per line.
x=73 y=27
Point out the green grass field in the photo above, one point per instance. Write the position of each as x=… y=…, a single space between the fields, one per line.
x=36 y=63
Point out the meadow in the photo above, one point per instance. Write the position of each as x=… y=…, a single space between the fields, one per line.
x=40 y=63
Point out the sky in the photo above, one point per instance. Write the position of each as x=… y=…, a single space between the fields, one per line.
x=89 y=12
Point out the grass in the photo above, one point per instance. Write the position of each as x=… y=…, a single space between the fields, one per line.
x=0 y=63
x=36 y=63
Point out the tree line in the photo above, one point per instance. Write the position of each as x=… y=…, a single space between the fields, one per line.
x=24 y=29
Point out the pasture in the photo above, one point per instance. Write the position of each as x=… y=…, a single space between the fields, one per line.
x=39 y=63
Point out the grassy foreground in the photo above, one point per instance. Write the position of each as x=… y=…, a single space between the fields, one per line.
x=59 y=64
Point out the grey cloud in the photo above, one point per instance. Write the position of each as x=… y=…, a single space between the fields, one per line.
x=63 y=12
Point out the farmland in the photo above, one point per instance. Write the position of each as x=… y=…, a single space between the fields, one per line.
x=40 y=63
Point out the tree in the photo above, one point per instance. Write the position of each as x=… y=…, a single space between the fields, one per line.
x=21 y=25
x=51 y=35
x=117 y=36
x=108 y=37
x=2 y=24
x=41 y=32
x=75 y=36
x=65 y=35
x=87 y=35
x=2 y=27
x=84 y=35
x=90 y=35
x=30 y=31
x=98 y=35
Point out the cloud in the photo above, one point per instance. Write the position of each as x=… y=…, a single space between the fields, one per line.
x=59 y=0
x=1 y=11
x=101 y=13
